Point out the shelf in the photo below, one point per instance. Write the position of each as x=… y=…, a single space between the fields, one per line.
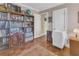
x=4 y=47
x=4 y=28
x=4 y=37
x=29 y=16
x=13 y=20
x=3 y=9
x=28 y=21
x=16 y=27
x=16 y=13
x=15 y=24
x=16 y=20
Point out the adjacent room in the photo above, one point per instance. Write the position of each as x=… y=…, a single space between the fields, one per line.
x=39 y=29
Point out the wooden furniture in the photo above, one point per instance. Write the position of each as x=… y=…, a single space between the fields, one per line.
x=15 y=28
x=74 y=46
x=49 y=36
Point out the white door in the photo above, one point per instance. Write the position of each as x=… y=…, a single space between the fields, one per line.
x=59 y=19
x=59 y=27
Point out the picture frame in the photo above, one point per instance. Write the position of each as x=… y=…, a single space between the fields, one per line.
x=49 y=19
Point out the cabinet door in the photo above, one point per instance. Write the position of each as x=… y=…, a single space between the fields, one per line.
x=59 y=22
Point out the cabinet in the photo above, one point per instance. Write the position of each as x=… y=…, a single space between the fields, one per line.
x=49 y=36
x=74 y=46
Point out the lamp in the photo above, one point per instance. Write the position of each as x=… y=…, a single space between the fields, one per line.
x=76 y=31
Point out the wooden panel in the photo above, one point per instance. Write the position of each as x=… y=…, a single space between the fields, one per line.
x=74 y=47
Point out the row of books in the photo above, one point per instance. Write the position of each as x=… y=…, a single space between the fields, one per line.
x=28 y=19
x=3 y=16
x=27 y=30
x=21 y=18
x=16 y=24
x=20 y=24
x=4 y=24
x=30 y=34
x=27 y=24
x=16 y=17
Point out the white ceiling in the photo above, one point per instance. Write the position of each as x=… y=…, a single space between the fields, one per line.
x=41 y=6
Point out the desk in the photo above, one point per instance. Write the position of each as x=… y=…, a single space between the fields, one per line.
x=74 y=46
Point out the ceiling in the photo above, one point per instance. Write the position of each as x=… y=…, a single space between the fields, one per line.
x=41 y=6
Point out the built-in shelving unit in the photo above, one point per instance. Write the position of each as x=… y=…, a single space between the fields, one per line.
x=15 y=28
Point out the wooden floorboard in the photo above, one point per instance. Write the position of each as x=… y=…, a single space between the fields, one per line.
x=42 y=41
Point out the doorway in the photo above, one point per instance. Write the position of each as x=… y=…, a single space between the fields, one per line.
x=44 y=23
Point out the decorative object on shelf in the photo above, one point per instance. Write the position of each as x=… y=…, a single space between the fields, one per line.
x=76 y=31
x=29 y=12
x=13 y=8
x=2 y=8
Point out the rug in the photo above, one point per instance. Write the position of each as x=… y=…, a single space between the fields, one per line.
x=37 y=50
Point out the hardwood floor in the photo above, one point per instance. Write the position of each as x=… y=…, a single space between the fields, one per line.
x=39 y=41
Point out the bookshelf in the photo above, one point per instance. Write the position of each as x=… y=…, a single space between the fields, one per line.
x=16 y=29
x=29 y=28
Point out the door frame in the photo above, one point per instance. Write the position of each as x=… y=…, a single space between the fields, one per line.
x=47 y=20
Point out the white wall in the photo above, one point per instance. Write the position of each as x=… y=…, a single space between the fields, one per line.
x=73 y=17
x=37 y=25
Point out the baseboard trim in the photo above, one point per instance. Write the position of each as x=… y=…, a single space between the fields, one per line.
x=39 y=37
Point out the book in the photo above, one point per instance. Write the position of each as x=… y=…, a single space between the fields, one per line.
x=15 y=24
x=2 y=33
x=28 y=29
x=7 y=25
x=4 y=16
x=16 y=17
x=2 y=24
x=30 y=34
x=0 y=15
x=14 y=30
